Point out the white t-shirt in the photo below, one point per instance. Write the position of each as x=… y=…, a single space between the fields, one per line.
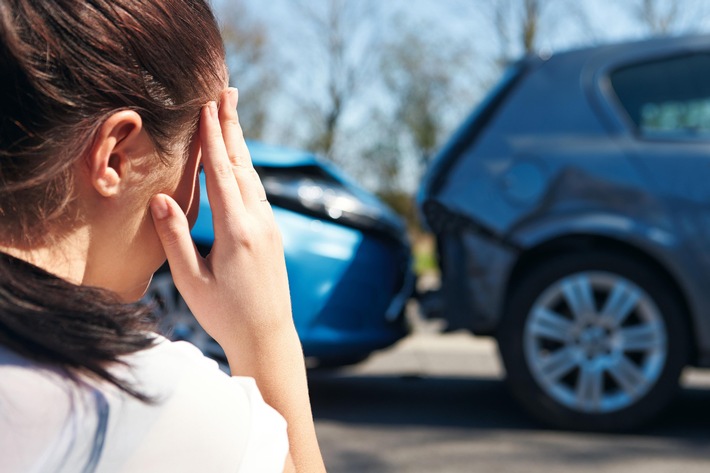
x=203 y=420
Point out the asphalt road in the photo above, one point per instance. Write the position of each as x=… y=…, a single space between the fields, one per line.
x=437 y=403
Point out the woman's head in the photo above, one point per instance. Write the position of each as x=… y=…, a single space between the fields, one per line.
x=74 y=72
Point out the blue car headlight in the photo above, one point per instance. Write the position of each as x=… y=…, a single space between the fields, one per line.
x=313 y=191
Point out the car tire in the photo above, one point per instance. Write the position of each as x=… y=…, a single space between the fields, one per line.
x=593 y=341
x=336 y=362
x=175 y=321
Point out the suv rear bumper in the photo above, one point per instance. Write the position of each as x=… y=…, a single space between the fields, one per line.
x=475 y=270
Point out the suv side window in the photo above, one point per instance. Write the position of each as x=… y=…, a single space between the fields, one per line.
x=667 y=98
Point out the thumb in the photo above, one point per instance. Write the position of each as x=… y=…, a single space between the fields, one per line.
x=174 y=232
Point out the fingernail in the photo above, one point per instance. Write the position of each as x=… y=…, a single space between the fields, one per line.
x=159 y=208
x=233 y=97
x=213 y=108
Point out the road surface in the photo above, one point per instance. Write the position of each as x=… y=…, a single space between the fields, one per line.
x=437 y=403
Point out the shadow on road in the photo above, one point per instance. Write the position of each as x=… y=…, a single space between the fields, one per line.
x=471 y=403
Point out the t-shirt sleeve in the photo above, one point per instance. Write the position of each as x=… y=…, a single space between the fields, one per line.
x=267 y=445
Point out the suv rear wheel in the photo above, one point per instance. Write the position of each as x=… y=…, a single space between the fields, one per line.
x=593 y=341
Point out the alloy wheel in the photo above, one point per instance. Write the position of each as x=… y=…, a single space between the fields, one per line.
x=595 y=342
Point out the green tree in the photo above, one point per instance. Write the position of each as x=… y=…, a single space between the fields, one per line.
x=427 y=90
x=524 y=26
x=419 y=73
x=340 y=46
x=252 y=65
x=665 y=17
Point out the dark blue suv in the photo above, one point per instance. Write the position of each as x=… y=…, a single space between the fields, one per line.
x=572 y=212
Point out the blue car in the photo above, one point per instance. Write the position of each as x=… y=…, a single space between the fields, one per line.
x=347 y=256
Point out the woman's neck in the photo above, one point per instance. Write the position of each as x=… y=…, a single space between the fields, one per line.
x=65 y=257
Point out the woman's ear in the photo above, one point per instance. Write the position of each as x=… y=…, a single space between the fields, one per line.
x=109 y=156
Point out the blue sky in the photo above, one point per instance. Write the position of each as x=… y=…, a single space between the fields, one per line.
x=466 y=24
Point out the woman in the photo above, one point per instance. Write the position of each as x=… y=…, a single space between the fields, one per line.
x=103 y=129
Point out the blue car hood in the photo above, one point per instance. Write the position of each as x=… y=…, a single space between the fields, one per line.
x=269 y=156
x=276 y=156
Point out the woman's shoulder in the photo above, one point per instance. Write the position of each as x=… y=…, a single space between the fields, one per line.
x=43 y=414
x=199 y=418
x=32 y=391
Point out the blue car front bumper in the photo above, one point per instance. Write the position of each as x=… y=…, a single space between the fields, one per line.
x=348 y=288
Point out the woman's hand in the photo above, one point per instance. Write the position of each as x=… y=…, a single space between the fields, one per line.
x=239 y=293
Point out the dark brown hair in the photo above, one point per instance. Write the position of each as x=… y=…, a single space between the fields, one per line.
x=66 y=66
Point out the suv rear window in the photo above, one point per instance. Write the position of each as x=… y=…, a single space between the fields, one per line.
x=669 y=97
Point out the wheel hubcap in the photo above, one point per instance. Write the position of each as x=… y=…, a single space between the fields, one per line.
x=595 y=342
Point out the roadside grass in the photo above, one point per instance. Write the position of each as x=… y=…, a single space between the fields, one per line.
x=424 y=250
